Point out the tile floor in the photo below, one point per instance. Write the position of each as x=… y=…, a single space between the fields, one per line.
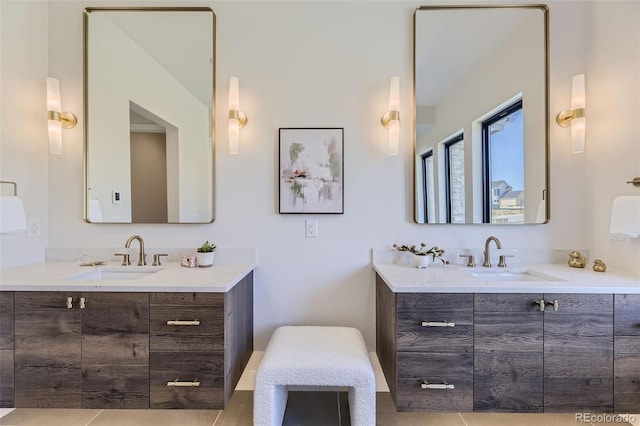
x=303 y=409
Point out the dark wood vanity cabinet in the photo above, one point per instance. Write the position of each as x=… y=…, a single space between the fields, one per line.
x=578 y=353
x=514 y=356
x=115 y=350
x=432 y=337
x=187 y=350
x=200 y=344
x=6 y=349
x=48 y=349
x=626 y=338
x=86 y=350
x=508 y=356
x=124 y=350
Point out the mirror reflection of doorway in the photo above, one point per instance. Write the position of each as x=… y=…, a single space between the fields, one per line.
x=148 y=177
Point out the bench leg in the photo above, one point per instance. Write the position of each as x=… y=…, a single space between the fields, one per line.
x=362 y=406
x=269 y=404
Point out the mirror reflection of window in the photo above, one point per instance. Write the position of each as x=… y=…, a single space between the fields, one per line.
x=454 y=178
x=503 y=150
x=496 y=56
x=428 y=187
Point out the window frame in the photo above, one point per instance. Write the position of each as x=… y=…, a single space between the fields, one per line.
x=447 y=170
x=487 y=194
x=425 y=190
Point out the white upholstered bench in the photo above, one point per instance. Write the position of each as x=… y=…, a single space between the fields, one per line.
x=314 y=356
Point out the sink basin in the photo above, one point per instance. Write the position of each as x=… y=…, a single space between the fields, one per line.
x=513 y=275
x=111 y=274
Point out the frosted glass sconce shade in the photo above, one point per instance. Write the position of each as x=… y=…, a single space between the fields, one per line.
x=576 y=116
x=237 y=119
x=56 y=119
x=391 y=119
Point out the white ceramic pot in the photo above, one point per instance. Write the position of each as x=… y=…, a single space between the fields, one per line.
x=422 y=261
x=205 y=259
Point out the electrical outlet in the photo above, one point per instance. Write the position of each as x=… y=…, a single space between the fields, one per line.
x=311 y=228
x=33 y=228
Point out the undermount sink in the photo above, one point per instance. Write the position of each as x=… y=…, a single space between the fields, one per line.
x=512 y=275
x=112 y=274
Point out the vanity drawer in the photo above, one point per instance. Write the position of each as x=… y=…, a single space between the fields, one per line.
x=435 y=322
x=419 y=370
x=182 y=371
x=186 y=322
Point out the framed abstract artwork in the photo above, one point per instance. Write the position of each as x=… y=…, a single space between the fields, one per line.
x=311 y=170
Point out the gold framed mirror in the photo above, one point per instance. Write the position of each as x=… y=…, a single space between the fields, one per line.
x=149 y=79
x=481 y=145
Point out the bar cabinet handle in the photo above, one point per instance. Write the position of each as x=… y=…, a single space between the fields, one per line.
x=179 y=322
x=438 y=324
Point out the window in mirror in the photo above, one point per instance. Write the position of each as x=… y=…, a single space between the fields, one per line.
x=503 y=159
x=428 y=186
x=454 y=178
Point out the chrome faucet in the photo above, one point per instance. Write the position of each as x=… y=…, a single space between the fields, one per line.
x=142 y=256
x=487 y=254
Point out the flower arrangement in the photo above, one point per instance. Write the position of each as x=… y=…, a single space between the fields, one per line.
x=207 y=247
x=434 y=252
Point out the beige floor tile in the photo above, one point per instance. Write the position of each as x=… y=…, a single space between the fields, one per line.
x=239 y=411
x=49 y=417
x=156 y=418
x=508 y=419
x=387 y=416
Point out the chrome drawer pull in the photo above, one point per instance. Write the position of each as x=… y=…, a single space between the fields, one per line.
x=178 y=322
x=438 y=324
x=445 y=385
x=83 y=302
x=177 y=384
x=69 y=302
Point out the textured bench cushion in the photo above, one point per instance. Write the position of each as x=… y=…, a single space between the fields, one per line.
x=314 y=356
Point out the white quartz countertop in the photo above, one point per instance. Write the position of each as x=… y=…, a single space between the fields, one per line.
x=170 y=277
x=550 y=278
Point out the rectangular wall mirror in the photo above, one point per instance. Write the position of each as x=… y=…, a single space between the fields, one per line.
x=149 y=78
x=481 y=114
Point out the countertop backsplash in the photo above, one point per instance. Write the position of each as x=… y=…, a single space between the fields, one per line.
x=223 y=255
x=520 y=255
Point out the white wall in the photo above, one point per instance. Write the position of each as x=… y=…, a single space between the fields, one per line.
x=612 y=154
x=327 y=64
x=23 y=124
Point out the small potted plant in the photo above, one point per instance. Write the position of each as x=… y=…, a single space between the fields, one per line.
x=205 y=254
x=422 y=256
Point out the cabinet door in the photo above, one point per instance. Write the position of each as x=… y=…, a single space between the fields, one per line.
x=627 y=353
x=115 y=350
x=508 y=353
x=578 y=353
x=47 y=350
x=6 y=349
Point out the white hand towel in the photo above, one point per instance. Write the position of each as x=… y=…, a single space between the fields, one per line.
x=12 y=215
x=625 y=217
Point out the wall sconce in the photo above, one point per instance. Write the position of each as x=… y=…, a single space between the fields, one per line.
x=237 y=119
x=576 y=117
x=391 y=119
x=57 y=120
